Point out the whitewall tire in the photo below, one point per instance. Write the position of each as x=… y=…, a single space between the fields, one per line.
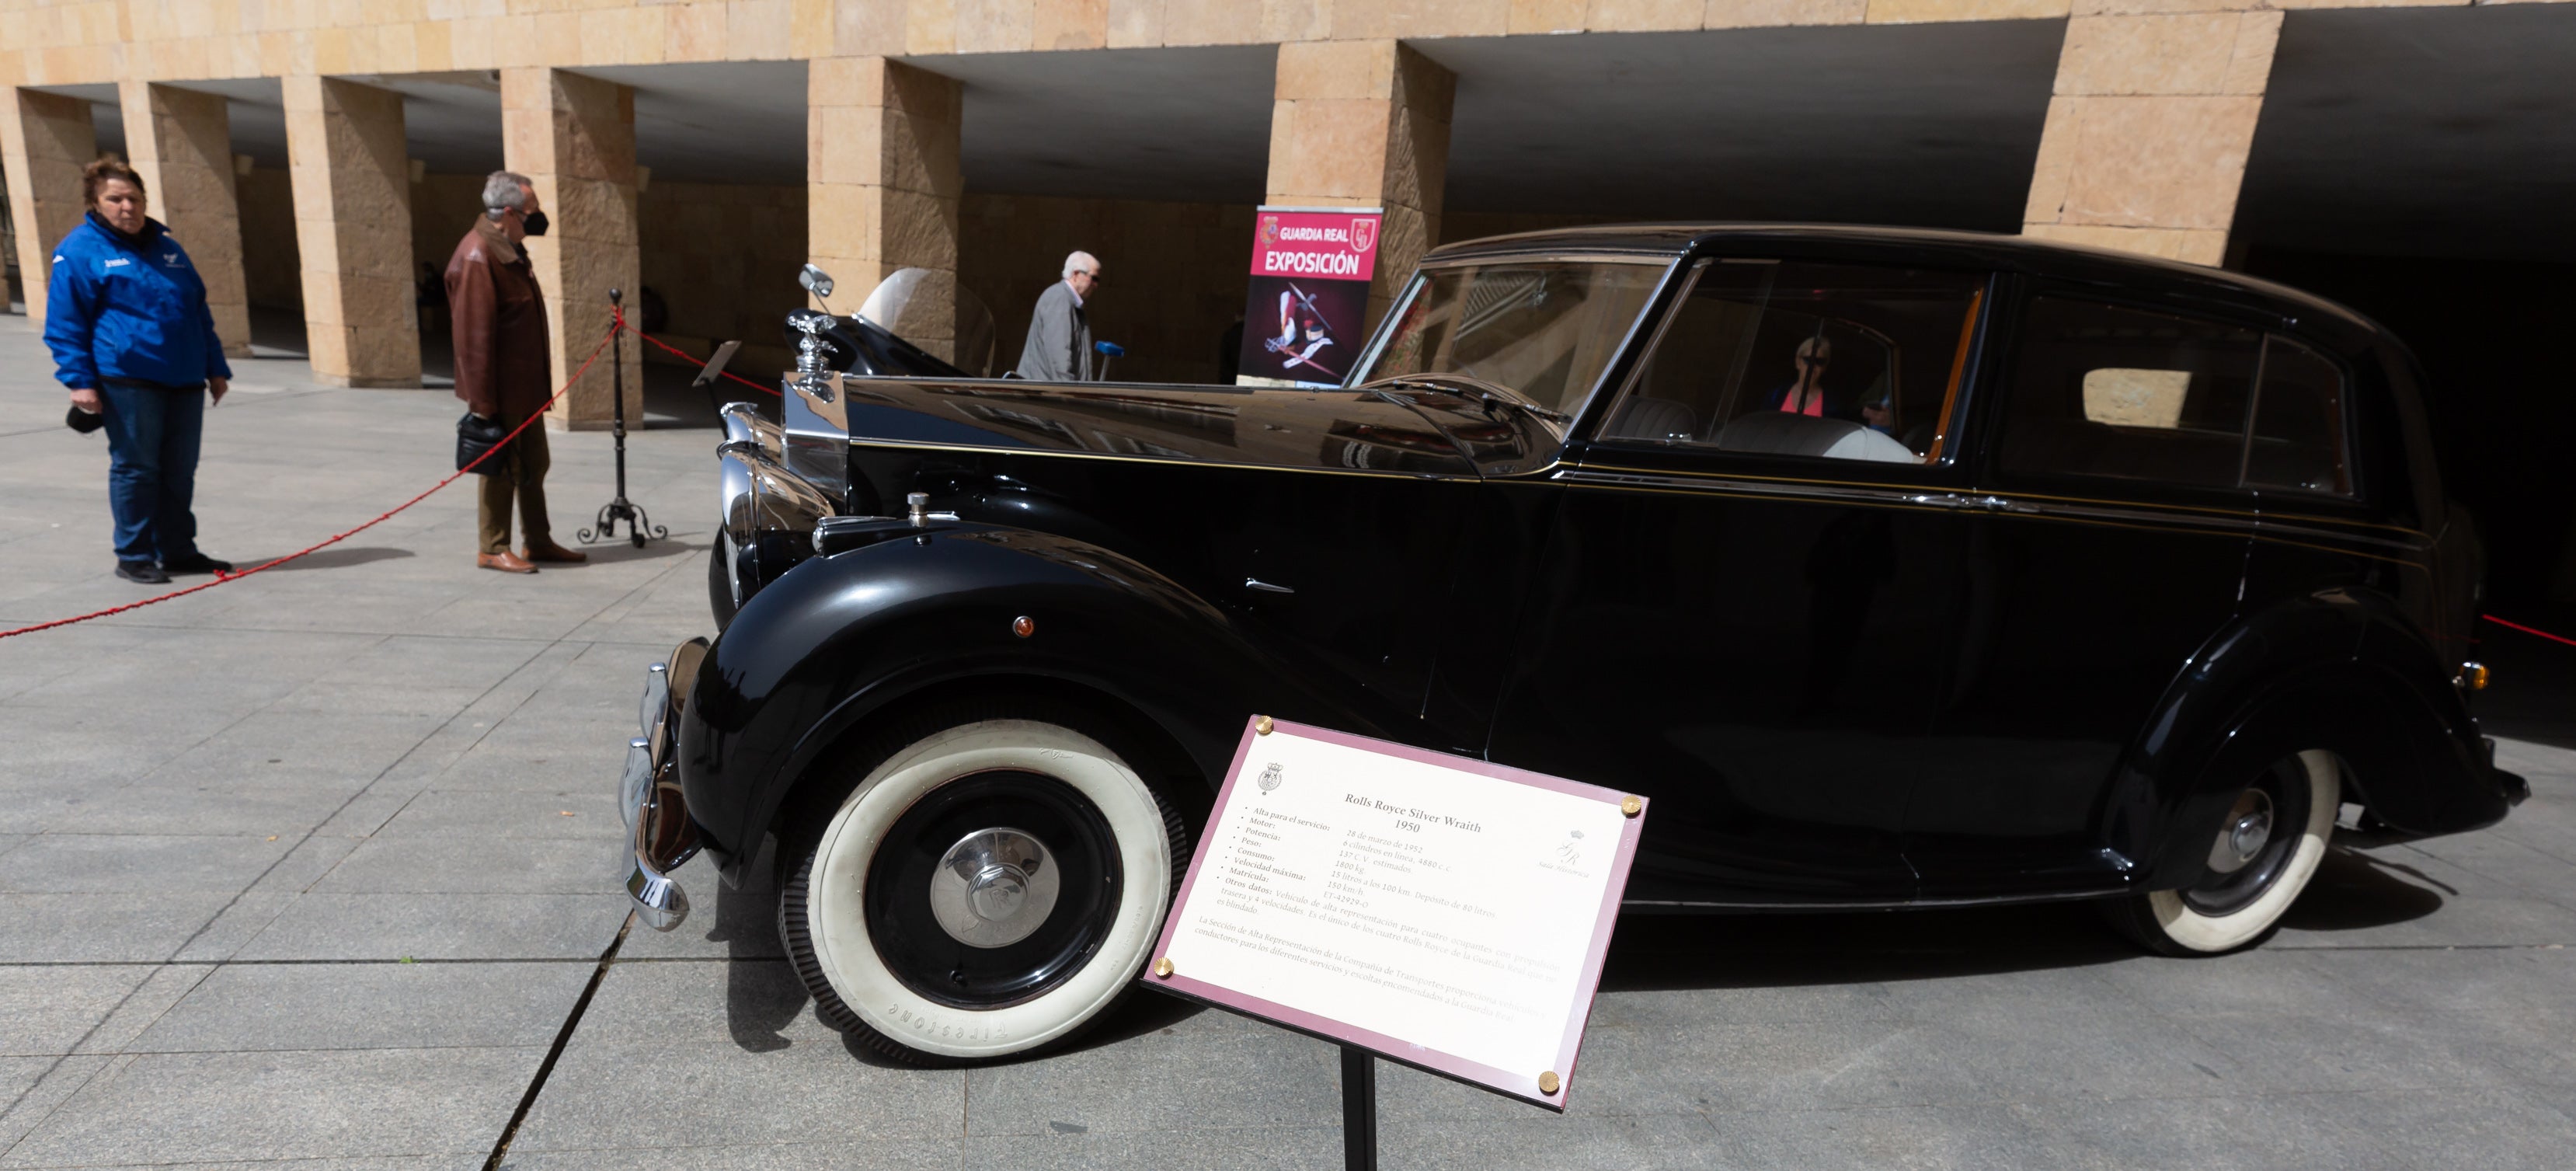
x=2264 y=854
x=986 y=890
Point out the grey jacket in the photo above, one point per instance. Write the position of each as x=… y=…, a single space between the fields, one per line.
x=1059 y=345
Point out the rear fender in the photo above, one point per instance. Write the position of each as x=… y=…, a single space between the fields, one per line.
x=842 y=638
x=2340 y=670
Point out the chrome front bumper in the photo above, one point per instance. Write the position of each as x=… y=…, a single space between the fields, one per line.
x=660 y=835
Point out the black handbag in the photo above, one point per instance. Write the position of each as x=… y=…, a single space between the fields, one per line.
x=84 y=421
x=475 y=436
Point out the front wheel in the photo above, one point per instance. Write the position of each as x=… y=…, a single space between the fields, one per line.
x=2265 y=852
x=986 y=889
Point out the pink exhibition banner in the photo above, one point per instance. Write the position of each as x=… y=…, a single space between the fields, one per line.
x=1311 y=269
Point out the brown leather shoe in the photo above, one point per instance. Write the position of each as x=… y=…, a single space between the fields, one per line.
x=549 y=551
x=505 y=562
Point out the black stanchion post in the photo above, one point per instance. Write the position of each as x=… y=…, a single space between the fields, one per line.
x=637 y=524
x=1359 y=1109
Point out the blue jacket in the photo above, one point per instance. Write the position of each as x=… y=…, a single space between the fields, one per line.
x=128 y=308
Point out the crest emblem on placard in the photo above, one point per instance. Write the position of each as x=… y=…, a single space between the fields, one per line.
x=1363 y=234
x=1269 y=778
x=1269 y=230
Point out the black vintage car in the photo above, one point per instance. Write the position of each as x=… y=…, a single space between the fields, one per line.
x=1899 y=568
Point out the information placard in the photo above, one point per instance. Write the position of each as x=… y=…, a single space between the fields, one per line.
x=1438 y=910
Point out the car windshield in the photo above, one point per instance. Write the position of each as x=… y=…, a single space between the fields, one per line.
x=1543 y=329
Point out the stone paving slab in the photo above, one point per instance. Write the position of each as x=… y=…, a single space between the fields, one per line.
x=226 y=821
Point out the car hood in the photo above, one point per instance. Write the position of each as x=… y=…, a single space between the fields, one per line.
x=1425 y=433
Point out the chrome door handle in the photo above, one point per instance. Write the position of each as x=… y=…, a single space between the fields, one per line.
x=1987 y=503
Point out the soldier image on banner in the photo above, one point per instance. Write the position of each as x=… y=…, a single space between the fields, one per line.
x=1309 y=295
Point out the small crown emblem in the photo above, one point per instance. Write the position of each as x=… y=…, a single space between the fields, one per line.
x=1269 y=778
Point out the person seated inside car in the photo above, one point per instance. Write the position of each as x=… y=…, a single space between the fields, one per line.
x=1805 y=394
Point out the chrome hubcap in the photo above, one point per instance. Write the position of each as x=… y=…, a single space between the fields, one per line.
x=2248 y=830
x=993 y=888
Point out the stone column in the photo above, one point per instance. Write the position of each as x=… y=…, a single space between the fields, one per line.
x=882 y=182
x=45 y=140
x=352 y=182
x=1365 y=124
x=181 y=142
x=2149 y=128
x=574 y=136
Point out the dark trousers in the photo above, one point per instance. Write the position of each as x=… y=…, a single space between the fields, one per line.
x=152 y=438
x=517 y=470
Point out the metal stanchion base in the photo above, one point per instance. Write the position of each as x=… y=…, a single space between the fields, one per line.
x=639 y=527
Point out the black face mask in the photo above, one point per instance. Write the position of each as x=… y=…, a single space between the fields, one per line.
x=534 y=225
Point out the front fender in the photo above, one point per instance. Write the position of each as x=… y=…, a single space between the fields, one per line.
x=840 y=638
x=2343 y=670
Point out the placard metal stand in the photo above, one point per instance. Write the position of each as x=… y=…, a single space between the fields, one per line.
x=638 y=525
x=1359 y=1109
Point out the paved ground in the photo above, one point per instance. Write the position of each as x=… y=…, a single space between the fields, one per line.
x=315 y=868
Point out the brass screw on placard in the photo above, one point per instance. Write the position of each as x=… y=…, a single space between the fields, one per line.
x=1547 y=1082
x=1024 y=626
x=1261 y=724
x=1163 y=967
x=1631 y=806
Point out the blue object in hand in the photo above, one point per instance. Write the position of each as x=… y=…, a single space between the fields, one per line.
x=1109 y=349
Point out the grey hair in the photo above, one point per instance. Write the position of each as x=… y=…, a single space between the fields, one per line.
x=503 y=190
x=1080 y=262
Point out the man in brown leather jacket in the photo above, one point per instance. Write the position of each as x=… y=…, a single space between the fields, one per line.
x=498 y=318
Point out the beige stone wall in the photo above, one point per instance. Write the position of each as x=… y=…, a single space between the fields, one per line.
x=574 y=137
x=271 y=269
x=180 y=143
x=1360 y=124
x=344 y=144
x=58 y=42
x=883 y=177
x=1176 y=272
x=724 y=258
x=45 y=140
x=2150 y=124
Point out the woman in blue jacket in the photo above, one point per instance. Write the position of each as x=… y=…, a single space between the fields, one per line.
x=126 y=318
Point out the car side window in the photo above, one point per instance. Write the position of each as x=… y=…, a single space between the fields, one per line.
x=1832 y=361
x=2104 y=390
x=2299 y=439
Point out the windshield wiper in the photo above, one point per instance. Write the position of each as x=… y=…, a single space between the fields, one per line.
x=1470 y=386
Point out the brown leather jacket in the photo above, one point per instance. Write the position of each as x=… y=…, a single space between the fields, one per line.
x=498 y=318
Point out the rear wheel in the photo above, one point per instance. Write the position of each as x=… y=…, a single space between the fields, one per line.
x=991 y=883
x=2265 y=851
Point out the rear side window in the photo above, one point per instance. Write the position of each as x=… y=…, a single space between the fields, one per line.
x=2299 y=441
x=2102 y=390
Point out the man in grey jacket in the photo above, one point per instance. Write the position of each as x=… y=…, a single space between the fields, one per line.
x=1059 y=345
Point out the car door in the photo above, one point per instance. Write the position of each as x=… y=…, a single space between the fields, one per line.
x=1745 y=610
x=2109 y=547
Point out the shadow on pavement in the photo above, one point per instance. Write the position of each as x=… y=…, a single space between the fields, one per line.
x=2353 y=890
x=337 y=557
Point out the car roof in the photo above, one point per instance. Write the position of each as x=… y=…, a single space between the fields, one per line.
x=1988 y=250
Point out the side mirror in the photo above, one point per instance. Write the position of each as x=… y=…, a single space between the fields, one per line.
x=815 y=280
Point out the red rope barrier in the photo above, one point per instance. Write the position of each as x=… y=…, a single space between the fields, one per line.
x=2528 y=630
x=684 y=355
x=221 y=578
